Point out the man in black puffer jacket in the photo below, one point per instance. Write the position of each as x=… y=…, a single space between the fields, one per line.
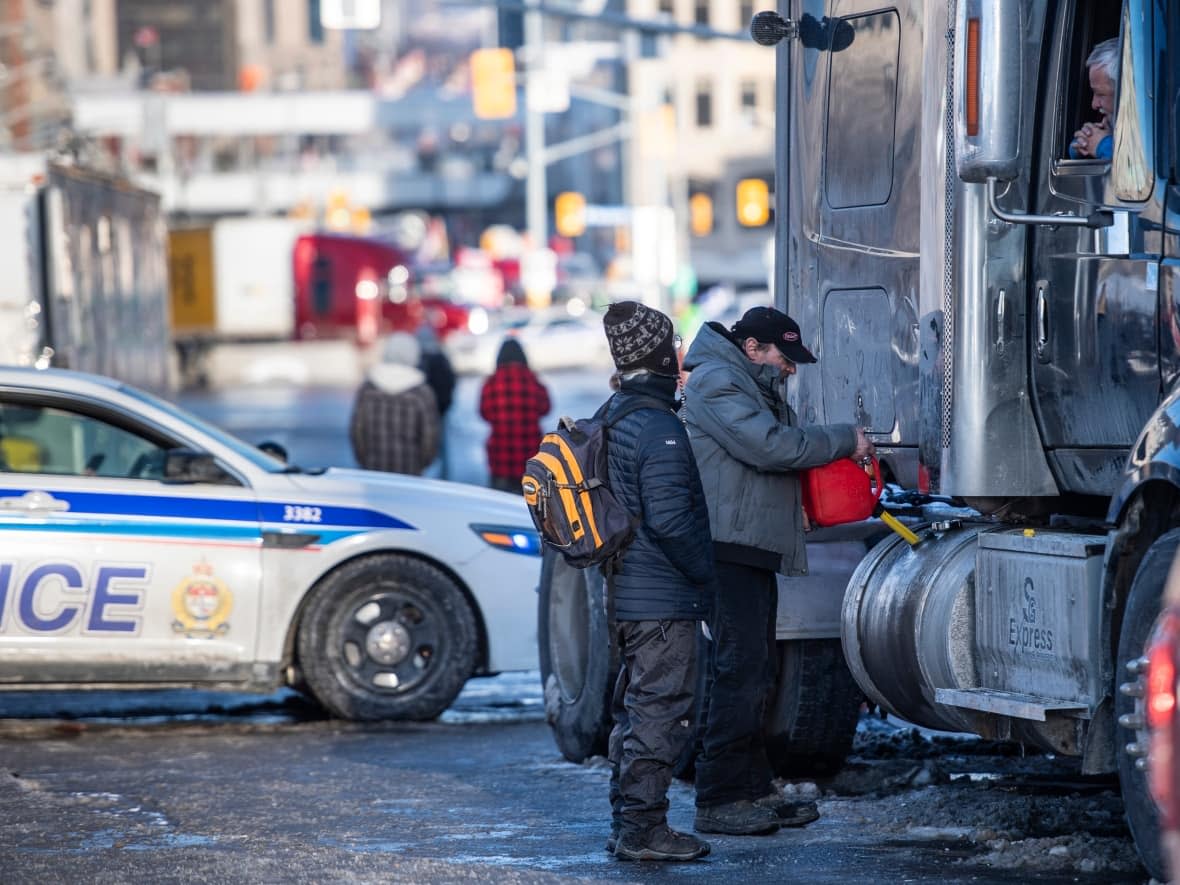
x=661 y=590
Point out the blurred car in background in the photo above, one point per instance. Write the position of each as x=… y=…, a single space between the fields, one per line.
x=552 y=338
x=444 y=309
x=579 y=278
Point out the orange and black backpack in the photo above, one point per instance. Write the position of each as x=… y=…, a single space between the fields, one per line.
x=565 y=487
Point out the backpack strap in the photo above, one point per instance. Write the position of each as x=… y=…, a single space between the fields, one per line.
x=639 y=402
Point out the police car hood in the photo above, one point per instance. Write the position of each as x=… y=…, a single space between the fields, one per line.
x=387 y=491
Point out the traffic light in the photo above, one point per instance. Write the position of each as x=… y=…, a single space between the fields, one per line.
x=700 y=211
x=493 y=83
x=569 y=214
x=510 y=28
x=753 y=202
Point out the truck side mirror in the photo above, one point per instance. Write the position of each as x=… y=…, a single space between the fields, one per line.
x=989 y=68
x=1132 y=168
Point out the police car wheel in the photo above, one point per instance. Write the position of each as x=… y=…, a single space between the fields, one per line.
x=387 y=637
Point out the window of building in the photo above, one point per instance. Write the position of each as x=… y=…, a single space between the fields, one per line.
x=704 y=105
x=862 y=106
x=749 y=99
x=701 y=12
x=667 y=7
x=268 y=21
x=745 y=13
x=315 y=27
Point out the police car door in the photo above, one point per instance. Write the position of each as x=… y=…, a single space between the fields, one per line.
x=108 y=572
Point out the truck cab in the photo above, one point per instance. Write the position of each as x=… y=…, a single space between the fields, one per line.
x=1001 y=317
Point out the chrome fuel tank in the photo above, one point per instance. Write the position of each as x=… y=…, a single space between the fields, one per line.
x=908 y=625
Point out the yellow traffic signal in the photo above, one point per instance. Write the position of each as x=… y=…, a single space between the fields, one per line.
x=753 y=202
x=569 y=214
x=493 y=83
x=700 y=211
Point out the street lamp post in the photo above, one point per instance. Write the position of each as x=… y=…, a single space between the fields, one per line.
x=536 y=210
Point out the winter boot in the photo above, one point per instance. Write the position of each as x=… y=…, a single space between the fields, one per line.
x=660 y=843
x=613 y=839
x=789 y=813
x=741 y=818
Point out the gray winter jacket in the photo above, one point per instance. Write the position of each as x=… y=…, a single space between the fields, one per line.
x=748 y=447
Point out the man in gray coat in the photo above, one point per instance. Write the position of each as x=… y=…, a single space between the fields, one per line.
x=748 y=447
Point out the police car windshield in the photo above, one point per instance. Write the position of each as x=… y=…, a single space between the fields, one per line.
x=254 y=455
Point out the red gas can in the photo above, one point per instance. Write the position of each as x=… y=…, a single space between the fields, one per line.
x=841 y=492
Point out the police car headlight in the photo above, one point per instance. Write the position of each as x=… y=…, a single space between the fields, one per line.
x=510 y=538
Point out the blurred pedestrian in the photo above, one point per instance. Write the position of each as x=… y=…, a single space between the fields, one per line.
x=440 y=375
x=512 y=400
x=395 y=424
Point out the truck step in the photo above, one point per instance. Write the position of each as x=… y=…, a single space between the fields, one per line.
x=1006 y=703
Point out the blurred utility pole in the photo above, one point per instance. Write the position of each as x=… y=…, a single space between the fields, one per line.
x=535 y=207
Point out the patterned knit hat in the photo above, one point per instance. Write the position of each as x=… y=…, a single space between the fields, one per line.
x=640 y=337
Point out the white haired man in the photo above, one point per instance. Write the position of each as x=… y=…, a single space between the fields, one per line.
x=1094 y=140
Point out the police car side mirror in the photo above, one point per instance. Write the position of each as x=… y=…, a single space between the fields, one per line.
x=188 y=466
x=275 y=450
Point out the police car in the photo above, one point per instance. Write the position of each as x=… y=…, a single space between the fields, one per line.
x=143 y=547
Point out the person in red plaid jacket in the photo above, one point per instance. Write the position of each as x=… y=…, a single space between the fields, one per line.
x=512 y=400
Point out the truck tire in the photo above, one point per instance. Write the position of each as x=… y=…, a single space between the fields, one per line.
x=811 y=715
x=578 y=661
x=1143 y=607
x=387 y=637
x=811 y=718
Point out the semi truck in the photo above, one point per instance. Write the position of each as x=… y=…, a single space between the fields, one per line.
x=87 y=276
x=1005 y=322
x=231 y=282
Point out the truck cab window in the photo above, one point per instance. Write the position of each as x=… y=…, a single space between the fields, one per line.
x=862 y=107
x=1095 y=23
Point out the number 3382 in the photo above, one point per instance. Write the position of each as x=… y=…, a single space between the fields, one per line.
x=296 y=513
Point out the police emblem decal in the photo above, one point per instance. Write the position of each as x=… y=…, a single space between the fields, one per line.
x=201 y=603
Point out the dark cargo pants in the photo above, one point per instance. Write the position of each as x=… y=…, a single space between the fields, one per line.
x=732 y=764
x=653 y=708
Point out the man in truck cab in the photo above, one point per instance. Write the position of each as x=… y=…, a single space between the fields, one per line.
x=1096 y=140
x=748 y=447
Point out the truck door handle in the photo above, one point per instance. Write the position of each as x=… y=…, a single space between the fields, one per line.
x=33 y=502
x=1042 y=311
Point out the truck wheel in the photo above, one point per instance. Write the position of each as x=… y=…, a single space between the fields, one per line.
x=812 y=712
x=811 y=719
x=1143 y=607
x=387 y=637
x=578 y=661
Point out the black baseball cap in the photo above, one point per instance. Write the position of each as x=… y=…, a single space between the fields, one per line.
x=770 y=326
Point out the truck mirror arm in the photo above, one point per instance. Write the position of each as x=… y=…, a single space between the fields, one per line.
x=1097 y=219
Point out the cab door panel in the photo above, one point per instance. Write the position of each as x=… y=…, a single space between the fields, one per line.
x=1092 y=294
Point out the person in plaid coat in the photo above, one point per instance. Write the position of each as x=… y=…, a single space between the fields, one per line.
x=395 y=423
x=512 y=400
